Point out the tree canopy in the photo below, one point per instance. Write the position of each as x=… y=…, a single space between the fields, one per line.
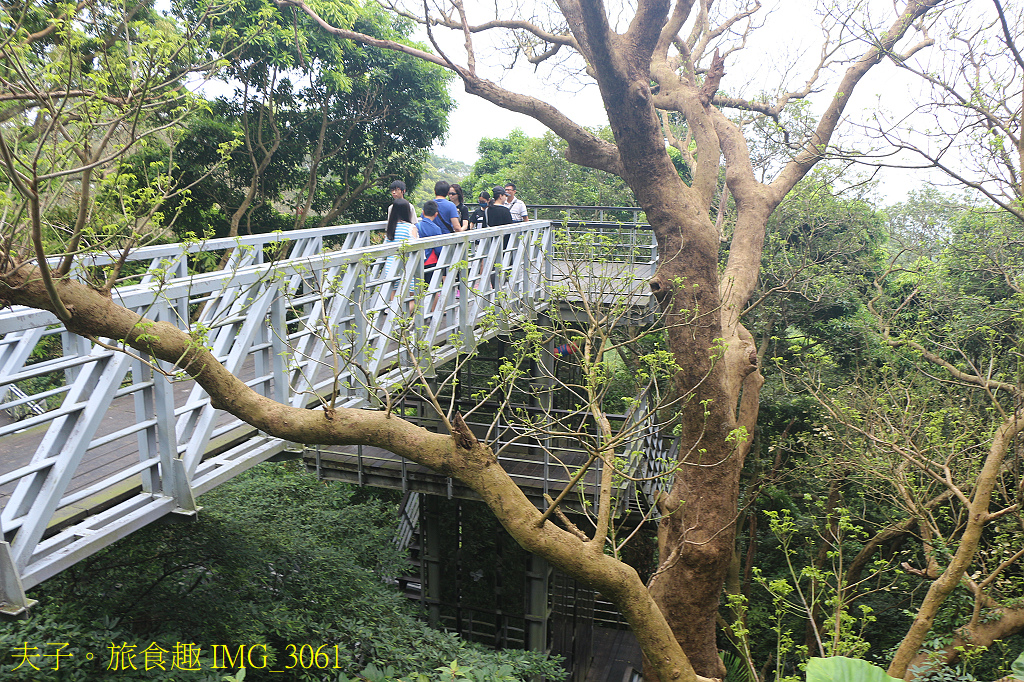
x=277 y=561
x=318 y=127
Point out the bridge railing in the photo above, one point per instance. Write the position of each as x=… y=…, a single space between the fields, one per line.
x=163 y=262
x=118 y=445
x=633 y=215
x=604 y=234
x=245 y=249
x=96 y=442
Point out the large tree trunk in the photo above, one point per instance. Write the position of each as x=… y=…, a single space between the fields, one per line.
x=697 y=533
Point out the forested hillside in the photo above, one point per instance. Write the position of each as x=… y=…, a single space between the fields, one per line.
x=542 y=174
x=278 y=562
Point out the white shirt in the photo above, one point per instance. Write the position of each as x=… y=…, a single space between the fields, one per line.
x=518 y=209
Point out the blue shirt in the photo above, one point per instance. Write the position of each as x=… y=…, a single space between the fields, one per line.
x=446 y=210
x=429 y=228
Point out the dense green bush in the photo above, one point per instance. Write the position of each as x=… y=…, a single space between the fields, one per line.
x=279 y=563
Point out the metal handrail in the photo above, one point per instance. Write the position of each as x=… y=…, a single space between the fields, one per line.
x=294 y=329
x=599 y=211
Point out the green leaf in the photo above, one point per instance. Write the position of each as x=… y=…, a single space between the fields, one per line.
x=843 y=669
x=1017 y=669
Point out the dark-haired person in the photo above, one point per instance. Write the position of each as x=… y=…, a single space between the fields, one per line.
x=478 y=218
x=498 y=213
x=515 y=205
x=427 y=227
x=447 y=215
x=397 y=189
x=399 y=229
x=457 y=197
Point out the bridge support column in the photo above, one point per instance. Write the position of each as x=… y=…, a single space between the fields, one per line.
x=431 y=588
x=360 y=380
x=538 y=579
x=545 y=394
x=182 y=489
x=501 y=295
x=278 y=332
x=466 y=329
x=74 y=345
x=13 y=601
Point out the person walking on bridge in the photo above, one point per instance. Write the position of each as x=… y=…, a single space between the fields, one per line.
x=515 y=205
x=427 y=227
x=498 y=213
x=399 y=229
x=397 y=189
x=447 y=215
x=477 y=219
x=456 y=196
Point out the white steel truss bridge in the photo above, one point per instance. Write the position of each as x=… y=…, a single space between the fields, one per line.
x=96 y=443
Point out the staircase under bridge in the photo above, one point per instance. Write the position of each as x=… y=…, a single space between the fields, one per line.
x=96 y=443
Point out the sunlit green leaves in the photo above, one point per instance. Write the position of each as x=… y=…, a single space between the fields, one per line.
x=843 y=669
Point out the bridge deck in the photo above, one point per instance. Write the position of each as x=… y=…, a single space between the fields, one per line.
x=108 y=458
x=383 y=469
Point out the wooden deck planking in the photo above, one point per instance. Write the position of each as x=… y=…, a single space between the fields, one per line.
x=17 y=449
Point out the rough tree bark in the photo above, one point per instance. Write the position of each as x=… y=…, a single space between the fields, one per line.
x=1004 y=623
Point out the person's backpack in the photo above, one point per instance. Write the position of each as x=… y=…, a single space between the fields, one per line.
x=479 y=218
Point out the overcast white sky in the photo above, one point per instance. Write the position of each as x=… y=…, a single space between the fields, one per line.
x=476 y=118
